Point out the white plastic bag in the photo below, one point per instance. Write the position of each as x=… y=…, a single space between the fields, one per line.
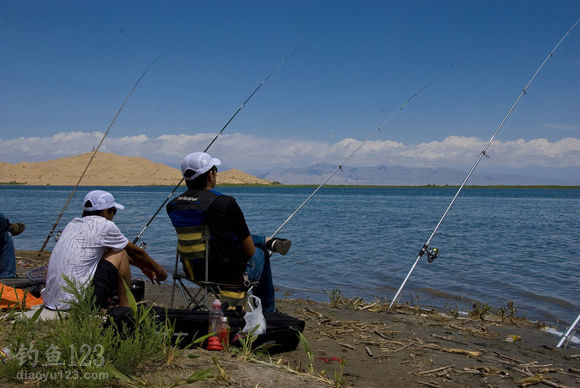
x=254 y=316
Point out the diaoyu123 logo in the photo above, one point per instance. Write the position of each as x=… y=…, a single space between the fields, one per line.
x=83 y=355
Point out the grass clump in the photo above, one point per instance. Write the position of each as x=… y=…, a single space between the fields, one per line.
x=335 y=296
x=308 y=352
x=82 y=349
x=480 y=310
x=247 y=351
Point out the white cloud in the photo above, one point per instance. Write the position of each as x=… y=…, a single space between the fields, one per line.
x=251 y=153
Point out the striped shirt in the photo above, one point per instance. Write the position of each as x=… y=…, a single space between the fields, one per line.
x=77 y=253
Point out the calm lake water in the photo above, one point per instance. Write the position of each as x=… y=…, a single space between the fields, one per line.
x=496 y=245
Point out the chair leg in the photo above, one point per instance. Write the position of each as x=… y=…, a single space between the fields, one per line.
x=174 y=274
x=172 y=293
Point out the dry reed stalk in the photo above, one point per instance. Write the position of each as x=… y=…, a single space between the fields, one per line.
x=426 y=372
x=402 y=348
x=433 y=385
x=288 y=369
x=448 y=339
x=471 y=353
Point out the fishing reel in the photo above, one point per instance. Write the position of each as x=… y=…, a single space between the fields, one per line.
x=432 y=253
x=143 y=245
x=57 y=235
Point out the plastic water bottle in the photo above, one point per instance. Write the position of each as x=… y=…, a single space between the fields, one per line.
x=224 y=332
x=215 y=316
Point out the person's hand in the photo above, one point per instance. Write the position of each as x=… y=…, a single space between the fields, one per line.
x=161 y=274
x=155 y=275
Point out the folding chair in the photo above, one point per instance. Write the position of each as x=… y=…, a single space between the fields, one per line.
x=193 y=250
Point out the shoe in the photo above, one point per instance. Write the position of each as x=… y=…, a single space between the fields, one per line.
x=16 y=228
x=279 y=245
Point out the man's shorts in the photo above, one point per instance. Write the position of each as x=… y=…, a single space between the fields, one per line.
x=105 y=283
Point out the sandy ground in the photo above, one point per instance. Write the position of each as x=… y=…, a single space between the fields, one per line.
x=380 y=347
x=107 y=169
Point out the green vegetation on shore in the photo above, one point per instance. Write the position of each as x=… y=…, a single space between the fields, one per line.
x=13 y=183
x=77 y=349
x=277 y=184
x=431 y=186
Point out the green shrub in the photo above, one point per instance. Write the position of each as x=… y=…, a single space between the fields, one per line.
x=78 y=350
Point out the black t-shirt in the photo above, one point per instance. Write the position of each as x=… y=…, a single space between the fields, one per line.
x=225 y=214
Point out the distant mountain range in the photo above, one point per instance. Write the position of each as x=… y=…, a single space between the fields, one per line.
x=115 y=170
x=402 y=176
x=107 y=170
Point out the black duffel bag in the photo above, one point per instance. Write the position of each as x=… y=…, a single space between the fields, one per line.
x=281 y=329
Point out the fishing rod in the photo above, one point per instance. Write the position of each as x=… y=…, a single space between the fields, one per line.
x=214 y=139
x=387 y=120
x=432 y=254
x=93 y=156
x=566 y=337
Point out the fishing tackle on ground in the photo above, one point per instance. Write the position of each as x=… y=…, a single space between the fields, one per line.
x=93 y=156
x=211 y=143
x=385 y=122
x=480 y=156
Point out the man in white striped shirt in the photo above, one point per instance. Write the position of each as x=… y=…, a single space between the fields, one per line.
x=93 y=249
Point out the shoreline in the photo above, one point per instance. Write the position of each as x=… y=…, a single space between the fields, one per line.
x=429 y=298
x=326 y=186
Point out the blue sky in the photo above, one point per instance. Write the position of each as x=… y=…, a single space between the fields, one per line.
x=67 y=66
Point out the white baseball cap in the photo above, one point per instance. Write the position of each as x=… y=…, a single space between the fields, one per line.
x=100 y=200
x=198 y=163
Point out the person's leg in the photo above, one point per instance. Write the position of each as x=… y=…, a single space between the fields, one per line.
x=105 y=283
x=259 y=269
x=120 y=260
x=7 y=259
x=259 y=241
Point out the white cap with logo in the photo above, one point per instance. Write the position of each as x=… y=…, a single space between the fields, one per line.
x=197 y=163
x=100 y=200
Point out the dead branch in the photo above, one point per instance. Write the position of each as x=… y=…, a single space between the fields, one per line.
x=448 y=339
x=288 y=369
x=434 y=385
x=380 y=334
x=314 y=312
x=471 y=353
x=368 y=306
x=401 y=348
x=426 y=372
x=509 y=358
x=369 y=351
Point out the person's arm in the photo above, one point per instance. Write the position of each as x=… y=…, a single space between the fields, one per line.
x=248 y=246
x=145 y=263
x=4 y=223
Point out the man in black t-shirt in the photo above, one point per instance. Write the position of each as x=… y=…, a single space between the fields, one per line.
x=232 y=247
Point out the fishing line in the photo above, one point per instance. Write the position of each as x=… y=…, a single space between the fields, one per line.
x=387 y=120
x=214 y=139
x=480 y=156
x=93 y=156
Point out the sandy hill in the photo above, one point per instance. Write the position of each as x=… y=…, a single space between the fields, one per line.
x=106 y=170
